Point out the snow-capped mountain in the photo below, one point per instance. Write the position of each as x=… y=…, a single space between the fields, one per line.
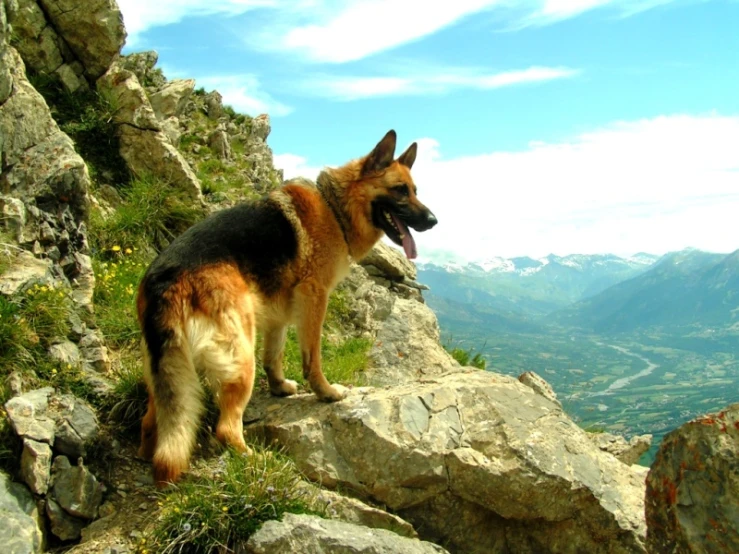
x=530 y=286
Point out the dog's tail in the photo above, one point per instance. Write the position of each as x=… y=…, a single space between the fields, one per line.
x=169 y=428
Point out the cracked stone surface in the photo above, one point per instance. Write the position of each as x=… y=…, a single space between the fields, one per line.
x=516 y=472
x=303 y=533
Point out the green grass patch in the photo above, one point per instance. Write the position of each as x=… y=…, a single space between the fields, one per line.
x=225 y=505
x=117 y=277
x=152 y=214
x=342 y=362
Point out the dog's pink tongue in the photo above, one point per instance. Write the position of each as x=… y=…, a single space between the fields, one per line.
x=409 y=245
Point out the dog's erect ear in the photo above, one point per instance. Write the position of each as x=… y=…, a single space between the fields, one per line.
x=382 y=156
x=409 y=156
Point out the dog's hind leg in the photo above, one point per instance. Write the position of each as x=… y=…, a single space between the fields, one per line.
x=177 y=408
x=274 y=347
x=228 y=364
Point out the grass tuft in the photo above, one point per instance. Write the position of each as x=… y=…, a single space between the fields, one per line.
x=151 y=215
x=224 y=506
x=466 y=357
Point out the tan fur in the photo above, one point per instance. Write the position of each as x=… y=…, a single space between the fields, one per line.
x=216 y=309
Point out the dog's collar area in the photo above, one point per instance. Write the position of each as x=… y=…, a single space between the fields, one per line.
x=329 y=196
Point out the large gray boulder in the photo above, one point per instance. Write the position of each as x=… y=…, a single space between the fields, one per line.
x=692 y=499
x=19 y=532
x=473 y=459
x=303 y=533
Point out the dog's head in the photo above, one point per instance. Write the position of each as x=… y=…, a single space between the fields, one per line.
x=394 y=203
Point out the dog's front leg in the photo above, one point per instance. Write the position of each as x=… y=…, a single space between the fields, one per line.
x=311 y=301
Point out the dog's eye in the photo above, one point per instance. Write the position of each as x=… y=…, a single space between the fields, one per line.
x=402 y=189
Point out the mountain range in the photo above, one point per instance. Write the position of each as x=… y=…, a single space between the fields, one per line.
x=599 y=293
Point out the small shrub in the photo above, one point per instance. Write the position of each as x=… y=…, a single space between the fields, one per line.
x=225 y=506
x=466 y=356
x=152 y=214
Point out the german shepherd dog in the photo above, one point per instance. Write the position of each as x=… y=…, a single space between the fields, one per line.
x=260 y=265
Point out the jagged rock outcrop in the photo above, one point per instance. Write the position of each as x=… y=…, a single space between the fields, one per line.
x=143 y=145
x=388 y=267
x=405 y=332
x=74 y=41
x=692 y=498
x=302 y=533
x=628 y=451
x=515 y=471
x=44 y=182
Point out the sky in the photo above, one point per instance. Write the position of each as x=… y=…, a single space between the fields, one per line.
x=544 y=126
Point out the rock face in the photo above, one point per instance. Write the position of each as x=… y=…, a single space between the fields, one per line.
x=302 y=533
x=407 y=346
x=44 y=182
x=143 y=145
x=93 y=30
x=19 y=532
x=515 y=472
x=692 y=499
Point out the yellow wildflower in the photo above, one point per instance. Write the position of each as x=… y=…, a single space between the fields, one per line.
x=129 y=251
x=224 y=509
x=116 y=248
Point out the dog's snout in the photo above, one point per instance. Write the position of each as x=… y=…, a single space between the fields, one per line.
x=428 y=221
x=431 y=219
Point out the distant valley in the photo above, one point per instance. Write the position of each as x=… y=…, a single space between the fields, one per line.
x=631 y=345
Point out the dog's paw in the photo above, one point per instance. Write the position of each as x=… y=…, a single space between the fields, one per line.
x=287 y=388
x=334 y=393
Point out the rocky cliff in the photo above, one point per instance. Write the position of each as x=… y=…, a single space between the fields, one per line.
x=428 y=456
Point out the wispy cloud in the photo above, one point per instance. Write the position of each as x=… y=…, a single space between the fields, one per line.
x=656 y=184
x=140 y=15
x=245 y=94
x=339 y=31
x=430 y=81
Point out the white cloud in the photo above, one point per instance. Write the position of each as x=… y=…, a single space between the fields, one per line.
x=654 y=185
x=140 y=15
x=244 y=93
x=364 y=27
x=338 y=31
x=293 y=165
x=430 y=81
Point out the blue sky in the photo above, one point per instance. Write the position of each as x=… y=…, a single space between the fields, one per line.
x=565 y=126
